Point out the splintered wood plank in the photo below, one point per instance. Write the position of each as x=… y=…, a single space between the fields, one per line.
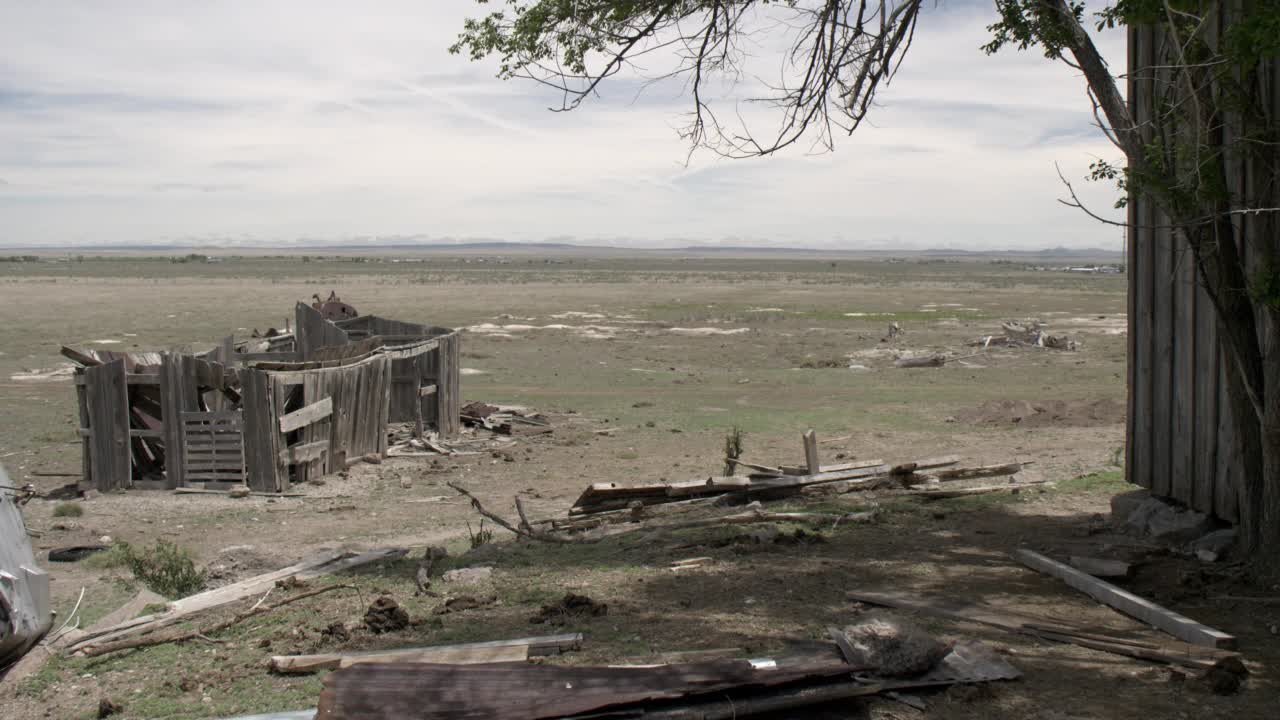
x=1179 y=626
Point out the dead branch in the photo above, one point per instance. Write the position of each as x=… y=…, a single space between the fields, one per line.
x=528 y=531
x=201 y=634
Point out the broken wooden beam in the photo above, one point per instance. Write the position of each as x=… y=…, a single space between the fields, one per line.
x=1177 y=625
x=811 y=452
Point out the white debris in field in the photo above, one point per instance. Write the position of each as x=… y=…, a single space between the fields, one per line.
x=472 y=371
x=708 y=331
x=53 y=374
x=107 y=341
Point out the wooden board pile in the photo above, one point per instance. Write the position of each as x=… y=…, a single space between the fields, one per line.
x=1031 y=333
x=930 y=478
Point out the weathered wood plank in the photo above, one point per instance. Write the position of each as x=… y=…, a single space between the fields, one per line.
x=305 y=452
x=810 y=440
x=307 y=415
x=107 y=396
x=1180 y=626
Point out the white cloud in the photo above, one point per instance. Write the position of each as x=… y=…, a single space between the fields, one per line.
x=140 y=122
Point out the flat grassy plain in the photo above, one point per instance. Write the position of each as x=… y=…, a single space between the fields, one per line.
x=666 y=353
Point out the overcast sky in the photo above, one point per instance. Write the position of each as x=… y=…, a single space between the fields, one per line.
x=142 y=122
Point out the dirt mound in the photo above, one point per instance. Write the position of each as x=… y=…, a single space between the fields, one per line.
x=1047 y=413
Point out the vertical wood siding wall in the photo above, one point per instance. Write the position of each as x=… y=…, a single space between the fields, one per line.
x=1181 y=442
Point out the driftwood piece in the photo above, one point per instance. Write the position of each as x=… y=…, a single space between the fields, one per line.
x=203 y=633
x=1179 y=626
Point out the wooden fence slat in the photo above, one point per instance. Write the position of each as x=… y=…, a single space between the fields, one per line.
x=107 y=397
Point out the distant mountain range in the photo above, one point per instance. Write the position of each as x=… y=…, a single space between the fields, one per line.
x=499 y=246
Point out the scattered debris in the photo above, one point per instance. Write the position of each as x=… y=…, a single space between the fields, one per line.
x=1030 y=333
x=431 y=557
x=468 y=576
x=385 y=615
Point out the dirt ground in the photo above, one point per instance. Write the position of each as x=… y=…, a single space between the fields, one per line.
x=642 y=365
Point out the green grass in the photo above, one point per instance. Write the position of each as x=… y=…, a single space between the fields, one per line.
x=68 y=509
x=1108 y=481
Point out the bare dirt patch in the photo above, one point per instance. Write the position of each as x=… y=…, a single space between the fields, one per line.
x=1046 y=413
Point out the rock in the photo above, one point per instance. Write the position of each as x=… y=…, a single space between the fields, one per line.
x=372 y=458
x=1207 y=556
x=891 y=647
x=385 y=615
x=1220 y=682
x=1217 y=542
x=1123 y=505
x=239 y=491
x=89 y=494
x=468 y=576
x=105 y=539
x=1168 y=523
x=406 y=482
x=106 y=708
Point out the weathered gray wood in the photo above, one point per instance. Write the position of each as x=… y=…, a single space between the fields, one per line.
x=313 y=332
x=261 y=430
x=304 y=453
x=307 y=415
x=213 y=444
x=1179 y=626
x=540 y=646
x=86 y=449
x=811 y=452
x=107 y=396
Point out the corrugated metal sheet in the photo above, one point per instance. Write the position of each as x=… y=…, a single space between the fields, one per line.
x=24 y=588
x=1181 y=442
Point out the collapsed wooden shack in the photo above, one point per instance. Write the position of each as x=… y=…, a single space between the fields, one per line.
x=263 y=412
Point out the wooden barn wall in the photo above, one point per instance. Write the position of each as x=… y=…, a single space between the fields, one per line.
x=1180 y=441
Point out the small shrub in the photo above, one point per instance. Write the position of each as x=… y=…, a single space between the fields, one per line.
x=113 y=557
x=733 y=443
x=165 y=568
x=479 y=537
x=68 y=509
